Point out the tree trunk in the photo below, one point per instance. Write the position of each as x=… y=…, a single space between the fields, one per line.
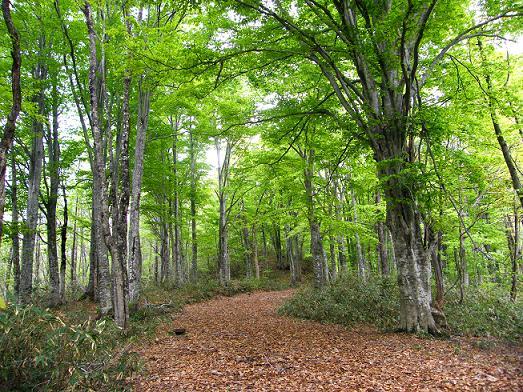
x=194 y=242
x=15 y=254
x=101 y=218
x=362 y=268
x=135 y=250
x=35 y=174
x=291 y=258
x=381 y=247
x=342 y=257
x=223 y=247
x=254 y=245
x=176 y=244
x=318 y=254
x=63 y=247
x=10 y=125
x=505 y=149
x=164 y=252
x=53 y=152
x=412 y=262
x=74 y=278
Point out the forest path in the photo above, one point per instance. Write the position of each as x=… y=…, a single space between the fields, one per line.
x=241 y=343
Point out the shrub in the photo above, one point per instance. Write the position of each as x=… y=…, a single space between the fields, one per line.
x=348 y=301
x=39 y=351
x=486 y=311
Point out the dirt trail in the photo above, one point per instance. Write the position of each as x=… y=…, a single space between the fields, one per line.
x=242 y=344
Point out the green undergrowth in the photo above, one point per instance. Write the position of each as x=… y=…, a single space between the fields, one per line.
x=66 y=349
x=484 y=312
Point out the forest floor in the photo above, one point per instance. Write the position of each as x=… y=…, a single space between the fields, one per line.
x=241 y=343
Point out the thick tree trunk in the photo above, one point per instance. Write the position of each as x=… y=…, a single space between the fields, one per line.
x=35 y=175
x=413 y=264
x=10 y=125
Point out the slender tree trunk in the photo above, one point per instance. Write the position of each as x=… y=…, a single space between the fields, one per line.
x=505 y=149
x=63 y=247
x=15 y=238
x=318 y=254
x=10 y=125
x=362 y=267
x=194 y=241
x=381 y=247
x=53 y=152
x=291 y=257
x=342 y=256
x=164 y=252
x=223 y=246
x=254 y=245
x=101 y=218
x=35 y=174
x=135 y=250
x=74 y=279
x=513 y=234
x=176 y=245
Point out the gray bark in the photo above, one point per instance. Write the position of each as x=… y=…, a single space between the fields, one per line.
x=15 y=238
x=223 y=247
x=100 y=210
x=318 y=254
x=10 y=125
x=381 y=247
x=194 y=242
x=135 y=251
x=35 y=174
x=53 y=152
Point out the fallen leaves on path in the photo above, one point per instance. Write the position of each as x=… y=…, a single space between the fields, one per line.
x=241 y=344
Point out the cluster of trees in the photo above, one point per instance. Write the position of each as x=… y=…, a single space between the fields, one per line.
x=380 y=137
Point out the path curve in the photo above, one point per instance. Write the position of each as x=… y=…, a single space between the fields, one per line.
x=241 y=344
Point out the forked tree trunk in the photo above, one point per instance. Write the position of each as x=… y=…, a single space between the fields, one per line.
x=412 y=260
